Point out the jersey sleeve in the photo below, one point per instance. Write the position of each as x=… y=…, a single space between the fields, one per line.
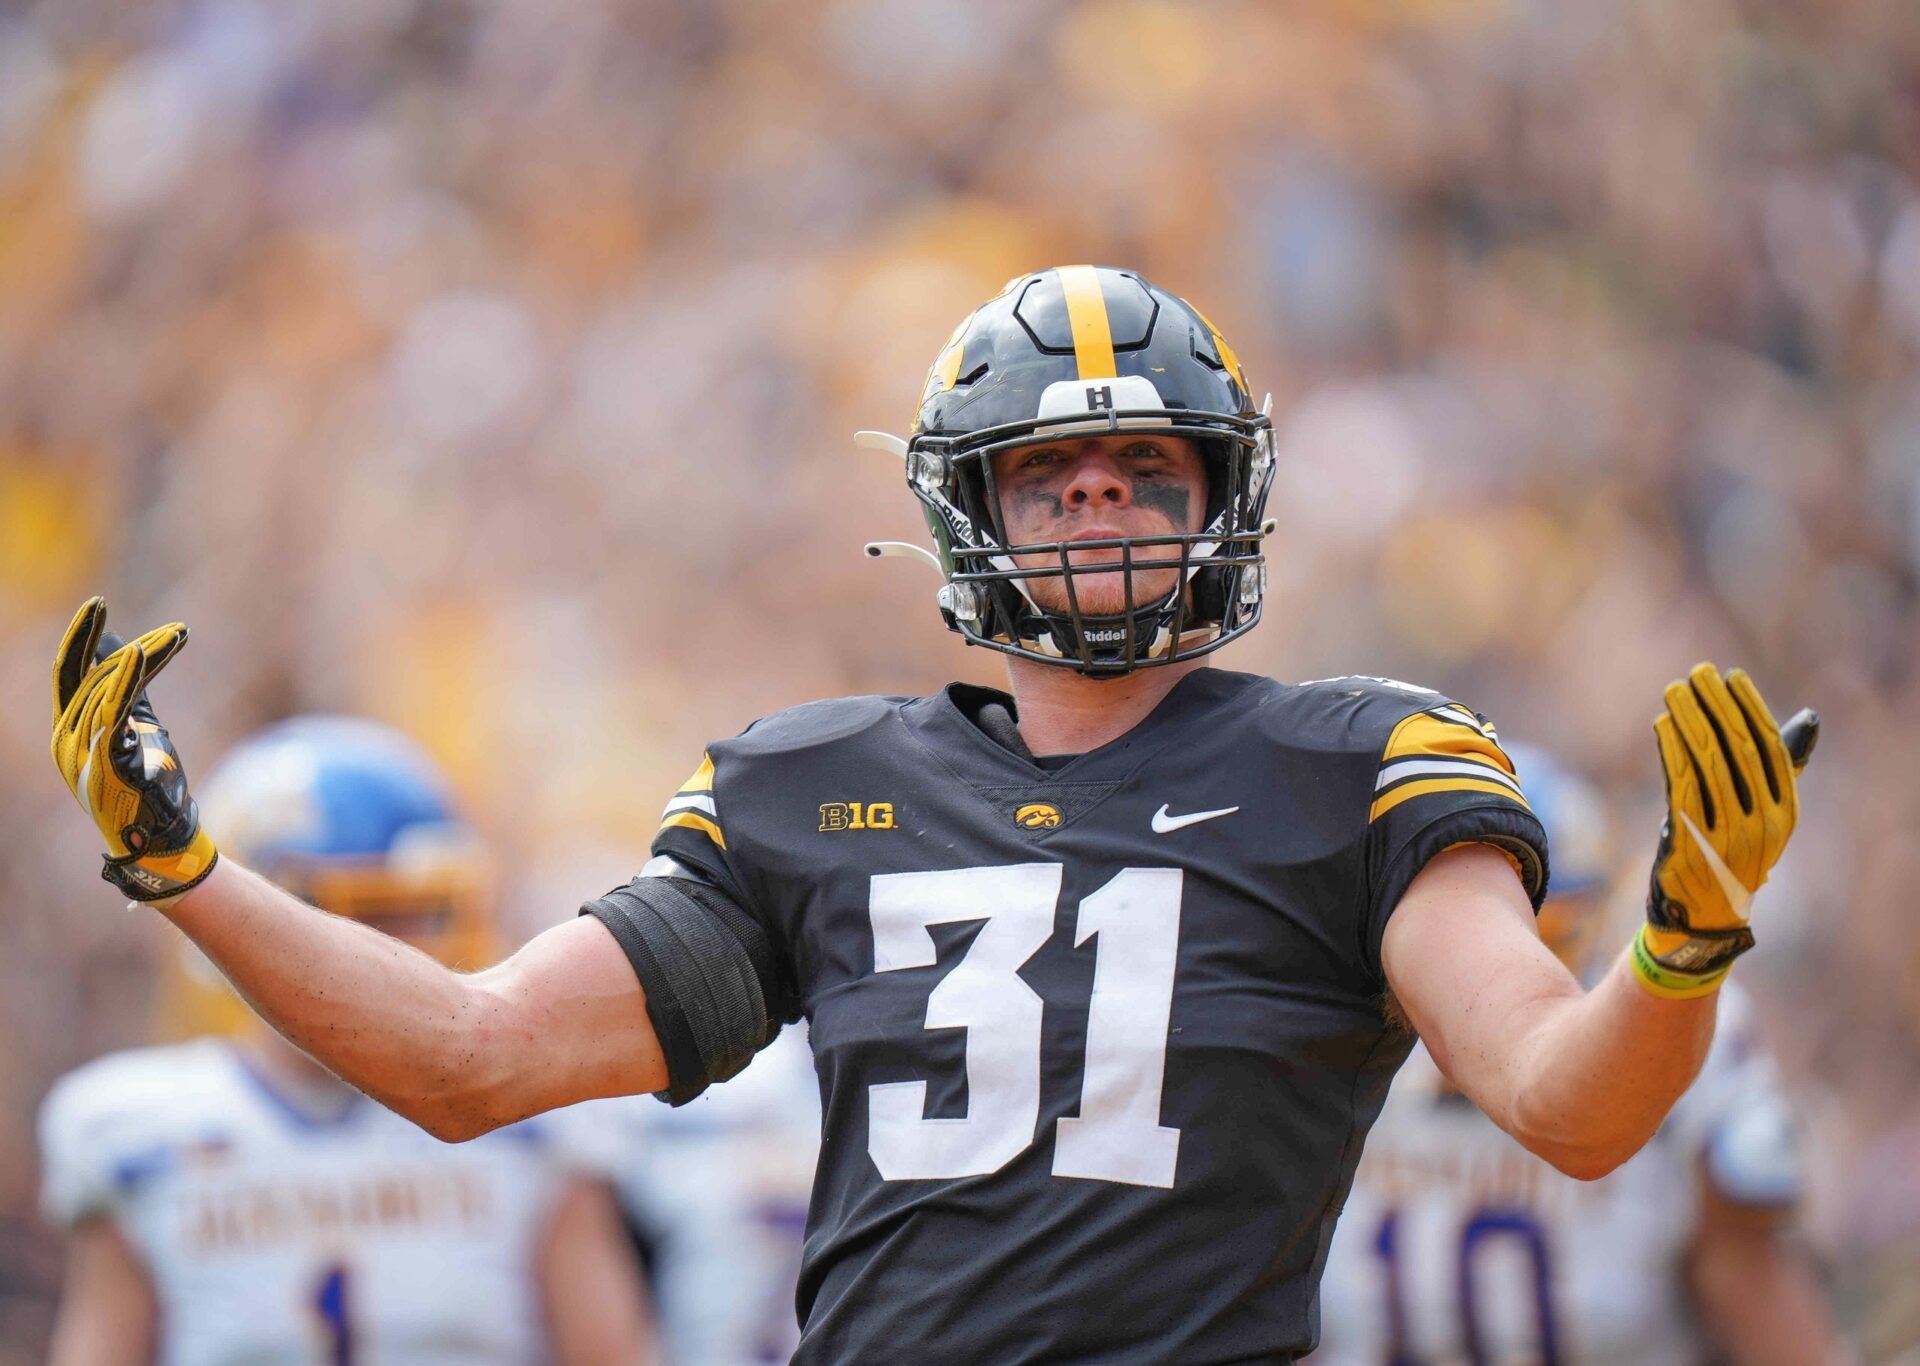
x=718 y=977
x=1442 y=779
x=691 y=834
x=1735 y=1121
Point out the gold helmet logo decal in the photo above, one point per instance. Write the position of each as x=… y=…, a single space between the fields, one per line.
x=1037 y=816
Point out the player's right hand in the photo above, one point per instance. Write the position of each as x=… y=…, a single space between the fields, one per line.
x=119 y=763
x=1732 y=804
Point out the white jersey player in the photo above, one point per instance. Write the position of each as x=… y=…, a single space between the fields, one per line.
x=1458 y=1245
x=719 y=1190
x=229 y=1201
x=270 y=1230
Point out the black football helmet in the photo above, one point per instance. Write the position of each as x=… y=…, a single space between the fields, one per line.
x=1079 y=351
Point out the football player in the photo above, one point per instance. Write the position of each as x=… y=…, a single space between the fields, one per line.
x=1104 y=973
x=1458 y=1245
x=230 y=1200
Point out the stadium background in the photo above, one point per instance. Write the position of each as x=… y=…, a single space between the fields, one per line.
x=490 y=369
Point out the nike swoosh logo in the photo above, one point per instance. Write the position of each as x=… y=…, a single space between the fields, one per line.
x=1164 y=824
x=1738 y=896
x=81 y=783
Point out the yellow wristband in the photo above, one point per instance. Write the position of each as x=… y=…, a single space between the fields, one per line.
x=1665 y=982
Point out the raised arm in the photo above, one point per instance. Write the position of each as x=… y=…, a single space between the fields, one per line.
x=670 y=986
x=562 y=1020
x=1583 y=1079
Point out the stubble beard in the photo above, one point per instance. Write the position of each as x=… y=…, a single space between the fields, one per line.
x=1104 y=594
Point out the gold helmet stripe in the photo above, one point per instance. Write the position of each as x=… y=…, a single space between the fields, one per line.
x=946 y=370
x=1087 y=315
x=1228 y=357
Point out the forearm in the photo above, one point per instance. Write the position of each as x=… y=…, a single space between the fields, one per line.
x=1580 y=1078
x=382 y=1015
x=1599 y=1071
x=561 y=1021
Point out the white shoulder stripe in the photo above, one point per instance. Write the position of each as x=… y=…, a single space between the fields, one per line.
x=1451 y=768
x=690 y=801
x=1458 y=714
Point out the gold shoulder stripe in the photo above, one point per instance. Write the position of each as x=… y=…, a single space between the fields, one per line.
x=1423 y=735
x=693 y=820
x=1087 y=316
x=1431 y=786
x=702 y=779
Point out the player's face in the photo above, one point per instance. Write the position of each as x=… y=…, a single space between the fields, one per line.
x=1095 y=488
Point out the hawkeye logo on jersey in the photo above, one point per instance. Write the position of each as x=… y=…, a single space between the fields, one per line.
x=1037 y=816
x=856 y=816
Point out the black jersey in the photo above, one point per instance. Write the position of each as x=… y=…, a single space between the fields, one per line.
x=1098 y=1043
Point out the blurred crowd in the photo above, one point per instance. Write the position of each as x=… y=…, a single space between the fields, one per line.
x=491 y=369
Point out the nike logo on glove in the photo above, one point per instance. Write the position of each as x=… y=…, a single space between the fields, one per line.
x=1738 y=896
x=1164 y=824
x=80 y=784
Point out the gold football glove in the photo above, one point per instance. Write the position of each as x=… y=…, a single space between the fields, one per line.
x=1731 y=806
x=117 y=759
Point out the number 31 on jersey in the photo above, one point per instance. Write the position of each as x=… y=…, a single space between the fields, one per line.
x=1117 y=1135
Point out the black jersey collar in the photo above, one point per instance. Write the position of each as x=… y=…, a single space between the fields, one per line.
x=979 y=750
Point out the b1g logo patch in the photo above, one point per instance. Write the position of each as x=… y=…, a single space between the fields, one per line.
x=856 y=816
x=1037 y=816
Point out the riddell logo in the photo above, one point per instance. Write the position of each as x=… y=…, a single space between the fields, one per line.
x=1106 y=637
x=1037 y=816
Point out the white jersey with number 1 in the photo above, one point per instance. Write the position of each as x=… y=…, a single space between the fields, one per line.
x=1458 y=1245
x=272 y=1237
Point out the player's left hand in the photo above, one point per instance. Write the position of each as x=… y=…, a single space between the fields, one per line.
x=119 y=763
x=1731 y=807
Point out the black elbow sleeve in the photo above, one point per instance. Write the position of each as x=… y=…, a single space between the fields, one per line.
x=707 y=970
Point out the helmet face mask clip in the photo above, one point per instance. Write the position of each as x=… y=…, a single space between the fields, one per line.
x=1061 y=356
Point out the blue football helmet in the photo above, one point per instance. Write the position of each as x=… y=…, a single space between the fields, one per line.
x=354 y=817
